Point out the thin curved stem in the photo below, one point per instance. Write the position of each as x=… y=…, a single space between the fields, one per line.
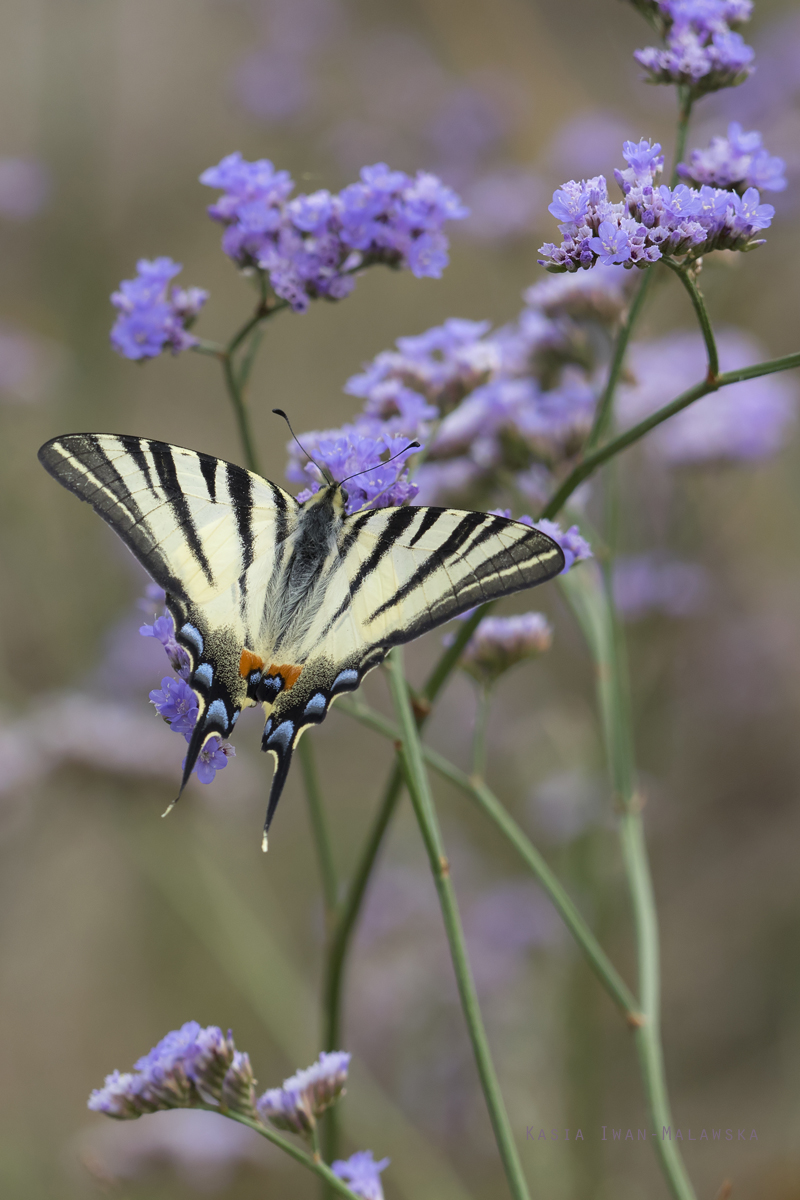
x=602 y=419
x=482 y=711
x=318 y=1167
x=590 y=464
x=696 y=296
x=486 y=800
x=417 y=783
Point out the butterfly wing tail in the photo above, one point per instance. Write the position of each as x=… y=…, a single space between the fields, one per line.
x=279 y=740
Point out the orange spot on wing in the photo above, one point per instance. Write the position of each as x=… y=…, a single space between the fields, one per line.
x=290 y=674
x=249 y=662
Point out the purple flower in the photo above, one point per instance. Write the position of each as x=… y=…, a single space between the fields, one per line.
x=176 y=703
x=362 y=1174
x=188 y=1067
x=163 y=630
x=574 y=547
x=654 y=221
x=150 y=318
x=743 y=422
x=612 y=244
x=306 y=1095
x=736 y=162
x=652 y=583
x=313 y=245
x=212 y=758
x=499 y=643
x=702 y=62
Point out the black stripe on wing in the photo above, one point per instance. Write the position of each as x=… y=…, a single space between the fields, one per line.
x=79 y=463
x=167 y=472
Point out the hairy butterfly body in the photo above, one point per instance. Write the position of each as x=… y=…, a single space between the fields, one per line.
x=287 y=604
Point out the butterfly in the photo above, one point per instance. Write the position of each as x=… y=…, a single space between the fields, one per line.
x=285 y=604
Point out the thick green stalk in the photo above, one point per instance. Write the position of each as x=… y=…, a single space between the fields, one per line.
x=589 y=594
x=590 y=464
x=417 y=783
x=602 y=418
x=319 y=828
x=313 y=1164
x=486 y=800
x=701 y=312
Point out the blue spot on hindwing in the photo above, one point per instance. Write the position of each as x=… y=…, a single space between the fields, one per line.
x=205 y=673
x=283 y=735
x=193 y=636
x=315 y=706
x=345 y=681
x=218 y=712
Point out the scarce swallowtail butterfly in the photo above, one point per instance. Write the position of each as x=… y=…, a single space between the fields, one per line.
x=286 y=604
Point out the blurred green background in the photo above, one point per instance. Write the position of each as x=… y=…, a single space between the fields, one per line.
x=114 y=927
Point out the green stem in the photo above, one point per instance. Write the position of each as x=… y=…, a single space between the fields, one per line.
x=484 y=705
x=249 y=355
x=242 y=416
x=417 y=783
x=340 y=938
x=489 y=804
x=319 y=1168
x=319 y=828
x=448 y=660
x=602 y=419
x=701 y=312
x=685 y=102
x=590 y=464
x=590 y=596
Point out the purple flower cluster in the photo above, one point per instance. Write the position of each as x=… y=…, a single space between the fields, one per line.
x=702 y=50
x=190 y=1066
x=311 y=246
x=362 y=1174
x=652 y=221
x=176 y=702
x=736 y=162
x=151 y=317
x=306 y=1095
x=652 y=583
x=364 y=450
x=517 y=401
x=501 y=642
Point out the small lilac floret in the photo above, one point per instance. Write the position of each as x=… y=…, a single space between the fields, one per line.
x=574 y=546
x=151 y=317
x=213 y=757
x=306 y=1095
x=612 y=244
x=163 y=630
x=499 y=643
x=362 y=1174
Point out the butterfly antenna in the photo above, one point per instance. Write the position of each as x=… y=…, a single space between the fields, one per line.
x=410 y=446
x=323 y=470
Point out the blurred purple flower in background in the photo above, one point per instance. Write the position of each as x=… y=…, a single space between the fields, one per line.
x=746 y=421
x=362 y=1174
x=582 y=146
x=25 y=187
x=499 y=643
x=151 y=317
x=738 y=161
x=31 y=366
x=702 y=52
x=645 y=584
